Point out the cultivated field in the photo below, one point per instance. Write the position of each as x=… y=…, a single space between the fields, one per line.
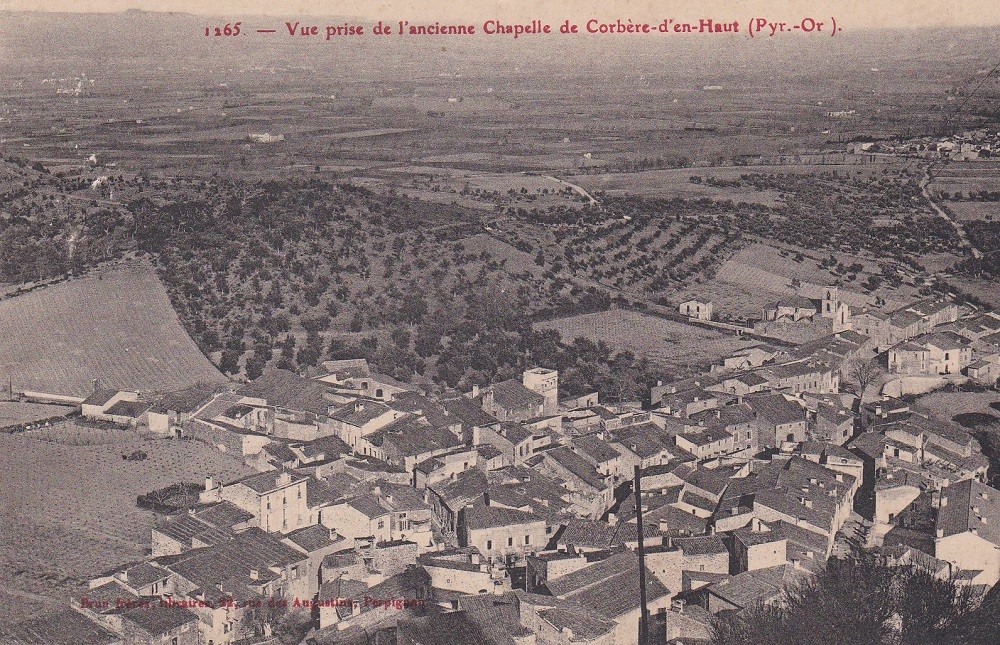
x=72 y=433
x=945 y=405
x=965 y=211
x=676 y=183
x=115 y=325
x=14 y=413
x=68 y=511
x=666 y=342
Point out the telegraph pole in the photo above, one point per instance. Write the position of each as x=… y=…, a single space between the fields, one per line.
x=644 y=610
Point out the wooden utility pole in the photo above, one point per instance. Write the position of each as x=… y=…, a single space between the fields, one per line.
x=644 y=610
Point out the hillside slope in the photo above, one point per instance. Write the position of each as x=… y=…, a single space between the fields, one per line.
x=115 y=324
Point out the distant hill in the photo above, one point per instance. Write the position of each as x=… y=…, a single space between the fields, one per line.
x=115 y=325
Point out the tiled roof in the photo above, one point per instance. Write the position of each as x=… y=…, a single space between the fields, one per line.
x=703 y=478
x=749 y=587
x=267 y=481
x=609 y=587
x=100 y=397
x=970 y=506
x=644 y=439
x=487 y=451
x=701 y=545
x=359 y=413
x=512 y=395
x=400 y=497
x=581 y=623
x=468 y=412
x=232 y=561
x=453 y=628
x=131 y=409
x=904 y=318
x=311 y=538
x=577 y=465
x=706 y=436
x=410 y=436
x=597 y=534
x=465 y=488
x=184 y=528
x=144 y=574
x=331 y=446
x=184 y=401
x=596 y=449
x=157 y=620
x=281 y=452
x=498 y=617
x=368 y=505
x=514 y=432
x=795 y=301
x=285 y=389
x=776 y=409
x=945 y=340
x=481 y=516
x=66 y=627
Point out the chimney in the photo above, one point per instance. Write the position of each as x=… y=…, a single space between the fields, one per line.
x=944 y=501
x=475 y=391
x=254 y=574
x=95 y=385
x=209 y=483
x=284 y=478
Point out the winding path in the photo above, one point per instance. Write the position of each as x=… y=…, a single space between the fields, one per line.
x=962 y=236
x=580 y=190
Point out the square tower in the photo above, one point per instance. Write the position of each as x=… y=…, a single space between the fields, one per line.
x=545 y=382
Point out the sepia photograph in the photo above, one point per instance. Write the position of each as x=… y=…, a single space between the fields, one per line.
x=511 y=322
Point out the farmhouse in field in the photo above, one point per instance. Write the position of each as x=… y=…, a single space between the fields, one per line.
x=698 y=309
x=121 y=408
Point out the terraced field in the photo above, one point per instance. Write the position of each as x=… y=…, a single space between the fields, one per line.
x=62 y=523
x=115 y=325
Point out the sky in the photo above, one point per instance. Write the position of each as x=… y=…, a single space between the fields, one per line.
x=849 y=13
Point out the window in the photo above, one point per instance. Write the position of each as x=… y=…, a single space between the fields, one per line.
x=173 y=641
x=269 y=506
x=510 y=541
x=295 y=572
x=300 y=492
x=378 y=393
x=489 y=545
x=527 y=539
x=381 y=524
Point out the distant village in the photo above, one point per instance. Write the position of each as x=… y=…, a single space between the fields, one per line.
x=513 y=513
x=969 y=145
